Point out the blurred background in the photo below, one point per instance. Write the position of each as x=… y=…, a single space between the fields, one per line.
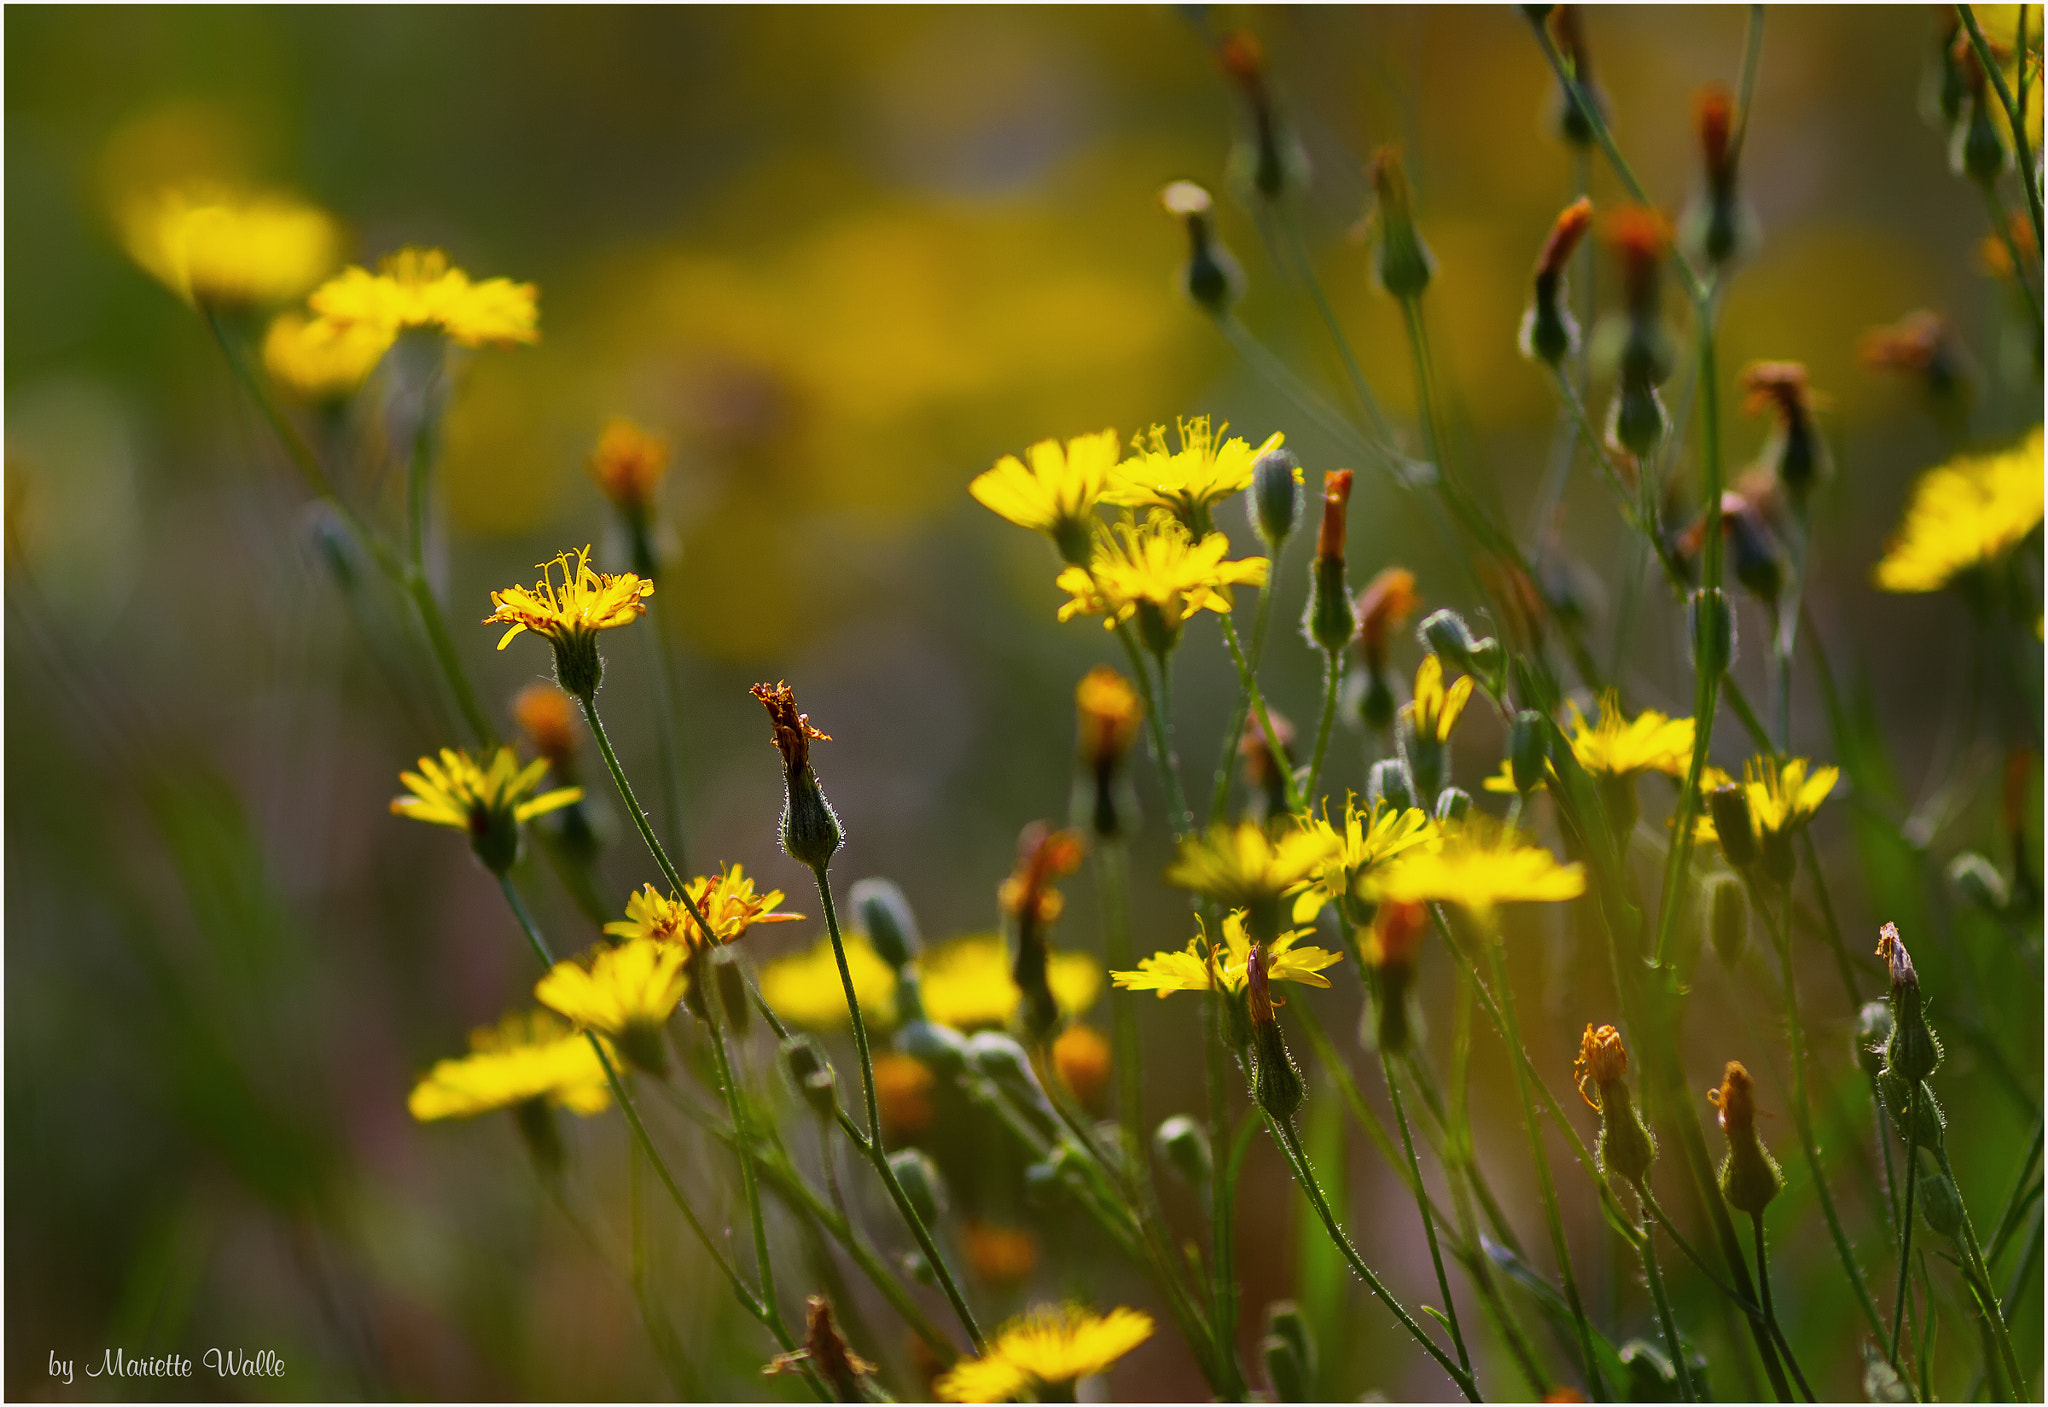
x=844 y=258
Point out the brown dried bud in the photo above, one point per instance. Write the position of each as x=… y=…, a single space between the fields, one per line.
x=1601 y=1062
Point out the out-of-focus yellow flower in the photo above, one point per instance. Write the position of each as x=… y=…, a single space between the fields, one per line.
x=457 y=792
x=1201 y=966
x=1621 y=747
x=1964 y=513
x=1158 y=572
x=419 y=288
x=1048 y=1349
x=1003 y=1256
x=903 y=1094
x=1110 y=711
x=727 y=901
x=586 y=601
x=1081 y=1058
x=543 y=713
x=805 y=990
x=212 y=247
x=1370 y=838
x=624 y=995
x=967 y=983
x=1056 y=492
x=628 y=464
x=1478 y=865
x=528 y=1055
x=1188 y=481
x=320 y=360
x=1436 y=708
x=1781 y=797
x=1242 y=866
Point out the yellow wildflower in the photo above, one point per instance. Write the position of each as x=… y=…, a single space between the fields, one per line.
x=628 y=464
x=417 y=288
x=1478 y=865
x=1159 y=573
x=624 y=994
x=456 y=792
x=903 y=1095
x=967 y=983
x=1200 y=966
x=805 y=990
x=528 y=1055
x=1204 y=470
x=1048 y=1349
x=727 y=902
x=1781 y=798
x=1242 y=866
x=1622 y=747
x=1436 y=709
x=321 y=360
x=1965 y=513
x=1370 y=838
x=211 y=247
x=570 y=616
x=1056 y=493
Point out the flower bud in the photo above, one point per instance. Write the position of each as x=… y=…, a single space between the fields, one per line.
x=1637 y=345
x=1402 y=263
x=1749 y=1176
x=1382 y=608
x=1389 y=782
x=733 y=998
x=1873 y=1034
x=1796 y=453
x=1978 y=880
x=1626 y=1148
x=1727 y=918
x=1728 y=804
x=1274 y=160
x=1109 y=710
x=1452 y=803
x=1370 y=695
x=1422 y=756
x=1211 y=279
x=941 y=1049
x=1391 y=948
x=1265 y=778
x=1276 y=1080
x=884 y=915
x=922 y=1186
x=1274 y=498
x=810 y=829
x=1975 y=148
x=1330 y=622
x=1289 y=1350
x=1719 y=227
x=1182 y=1145
x=1913 y=1052
x=1081 y=1059
x=1004 y=1064
x=1915 y=1112
x=1940 y=1204
x=1571 y=123
x=1710 y=624
x=1549 y=334
x=803 y=1060
x=1445 y=634
x=1528 y=750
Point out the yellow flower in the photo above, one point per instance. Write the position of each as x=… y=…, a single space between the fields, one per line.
x=1158 y=572
x=805 y=990
x=587 y=601
x=628 y=464
x=903 y=1094
x=322 y=360
x=624 y=995
x=1478 y=865
x=1436 y=709
x=1050 y=1347
x=486 y=804
x=1189 y=970
x=418 y=288
x=1619 y=747
x=728 y=903
x=1057 y=493
x=1242 y=866
x=1964 y=513
x=528 y=1055
x=1204 y=470
x=1370 y=838
x=967 y=983
x=211 y=247
x=1781 y=799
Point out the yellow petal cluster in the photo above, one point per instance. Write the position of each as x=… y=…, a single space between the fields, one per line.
x=586 y=600
x=966 y=983
x=1477 y=865
x=455 y=791
x=528 y=1055
x=1619 y=746
x=1243 y=865
x=727 y=901
x=1782 y=796
x=1201 y=966
x=629 y=463
x=1436 y=709
x=1205 y=469
x=418 y=288
x=1049 y=1348
x=623 y=993
x=320 y=360
x=805 y=989
x=212 y=247
x=1964 y=513
x=1051 y=490
x=1157 y=564
x=1371 y=837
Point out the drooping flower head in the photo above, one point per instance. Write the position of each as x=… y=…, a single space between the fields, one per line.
x=322 y=361
x=726 y=900
x=571 y=614
x=418 y=288
x=810 y=828
x=1053 y=491
x=1478 y=865
x=624 y=994
x=1245 y=867
x=1965 y=514
x=1204 y=966
x=530 y=1055
x=215 y=248
x=1158 y=573
x=628 y=465
x=1187 y=481
x=1045 y=1351
x=490 y=804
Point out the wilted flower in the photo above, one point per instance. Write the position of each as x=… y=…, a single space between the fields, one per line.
x=1033 y=906
x=810 y=828
x=826 y=1351
x=1402 y=263
x=1922 y=345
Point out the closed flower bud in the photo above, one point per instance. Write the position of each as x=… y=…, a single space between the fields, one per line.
x=1004 y=1064
x=1626 y=1148
x=1452 y=803
x=1211 y=279
x=803 y=1060
x=1571 y=123
x=1110 y=711
x=1273 y=160
x=884 y=915
x=1873 y=1034
x=1401 y=261
x=1289 y=1350
x=1370 y=695
x=1726 y=910
x=1913 y=1052
x=1548 y=333
x=1749 y=1176
x=1081 y=1058
x=1330 y=622
x=731 y=982
x=1422 y=756
x=940 y=1049
x=922 y=1186
x=1445 y=635
x=1276 y=1080
x=1978 y=880
x=1940 y=1204
x=1528 y=750
x=1975 y=148
x=1637 y=345
x=1915 y=1112
x=1389 y=782
x=1710 y=622
x=1796 y=454
x=1182 y=1145
x=1719 y=226
x=1382 y=608
x=1274 y=497
x=1733 y=824
x=810 y=829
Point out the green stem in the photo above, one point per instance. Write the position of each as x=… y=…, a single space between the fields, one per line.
x=1443 y=1283
x=1906 y=1220
x=1974 y=1260
x=436 y=626
x=2015 y=118
x=743 y=1144
x=1332 y=677
x=2002 y=227
x=1251 y=689
x=1763 y=1281
x=633 y=809
x=1328 y=314
x=1290 y=1146
x=1679 y=1366
x=1219 y=799
x=1159 y=728
x=669 y=735
x=1112 y=876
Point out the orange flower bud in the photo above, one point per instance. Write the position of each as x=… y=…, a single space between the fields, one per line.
x=1336 y=498
x=1001 y=1255
x=903 y=1095
x=1736 y=1099
x=1713 y=112
x=1384 y=606
x=1109 y=709
x=543 y=714
x=628 y=464
x=1397 y=932
x=1081 y=1058
x=1602 y=1060
x=1565 y=234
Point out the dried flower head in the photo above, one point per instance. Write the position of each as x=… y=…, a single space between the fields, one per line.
x=825 y=1350
x=1602 y=1060
x=810 y=828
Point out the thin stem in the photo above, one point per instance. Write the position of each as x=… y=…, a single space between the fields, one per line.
x=1679 y=1366
x=1112 y=864
x=443 y=646
x=1443 y=1283
x=1906 y=1220
x=2015 y=118
x=876 y=1153
x=2002 y=227
x=1981 y=1273
x=1219 y=799
x=1158 y=727
x=1332 y=677
x=1290 y=1147
x=743 y=1144
x=1763 y=1280
x=1749 y=1307
x=1251 y=689
x=669 y=735
x=633 y=809
x=1328 y=314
